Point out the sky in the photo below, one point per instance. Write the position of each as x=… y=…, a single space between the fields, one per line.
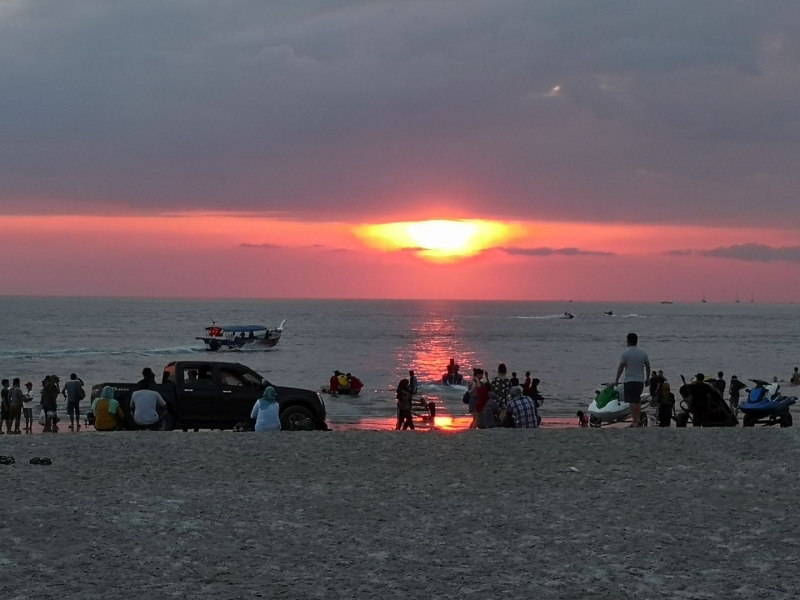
x=559 y=149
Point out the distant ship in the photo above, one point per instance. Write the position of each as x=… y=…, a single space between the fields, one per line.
x=704 y=298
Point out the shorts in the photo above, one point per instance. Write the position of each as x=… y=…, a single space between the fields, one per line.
x=633 y=391
x=50 y=414
x=74 y=409
x=28 y=412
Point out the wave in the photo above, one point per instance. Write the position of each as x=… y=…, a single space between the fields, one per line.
x=434 y=387
x=633 y=316
x=34 y=354
x=543 y=317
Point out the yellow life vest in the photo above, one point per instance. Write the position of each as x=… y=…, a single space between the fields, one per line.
x=343 y=381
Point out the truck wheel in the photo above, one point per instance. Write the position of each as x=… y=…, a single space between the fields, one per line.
x=292 y=416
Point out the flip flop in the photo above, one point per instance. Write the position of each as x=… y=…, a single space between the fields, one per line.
x=45 y=461
x=7 y=460
x=36 y=460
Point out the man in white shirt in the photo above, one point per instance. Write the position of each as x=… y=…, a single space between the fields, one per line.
x=634 y=361
x=145 y=405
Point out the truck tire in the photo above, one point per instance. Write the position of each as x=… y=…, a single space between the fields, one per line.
x=292 y=415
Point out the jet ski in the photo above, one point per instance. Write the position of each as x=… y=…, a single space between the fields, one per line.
x=609 y=406
x=766 y=404
x=568 y=316
x=608 y=313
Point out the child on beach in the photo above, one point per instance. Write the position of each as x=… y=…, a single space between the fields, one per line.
x=583 y=419
x=405 y=419
x=27 y=407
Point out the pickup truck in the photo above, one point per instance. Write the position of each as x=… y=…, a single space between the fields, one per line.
x=219 y=395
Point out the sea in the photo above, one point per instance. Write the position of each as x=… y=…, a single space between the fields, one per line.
x=104 y=339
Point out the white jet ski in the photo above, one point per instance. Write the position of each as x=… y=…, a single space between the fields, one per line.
x=609 y=406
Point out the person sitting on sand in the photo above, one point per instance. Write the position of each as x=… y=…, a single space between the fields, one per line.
x=583 y=419
x=108 y=415
x=486 y=407
x=266 y=412
x=147 y=377
x=405 y=419
x=334 y=383
x=522 y=413
x=795 y=380
x=148 y=407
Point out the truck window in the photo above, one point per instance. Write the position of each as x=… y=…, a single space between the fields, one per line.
x=197 y=376
x=232 y=377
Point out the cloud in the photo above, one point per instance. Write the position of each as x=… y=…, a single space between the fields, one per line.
x=665 y=111
x=514 y=251
x=263 y=246
x=746 y=252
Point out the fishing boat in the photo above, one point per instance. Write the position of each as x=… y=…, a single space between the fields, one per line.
x=237 y=337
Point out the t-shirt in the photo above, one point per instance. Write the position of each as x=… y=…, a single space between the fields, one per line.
x=71 y=389
x=144 y=405
x=28 y=400
x=482 y=395
x=634 y=359
x=719 y=384
x=16 y=397
x=4 y=397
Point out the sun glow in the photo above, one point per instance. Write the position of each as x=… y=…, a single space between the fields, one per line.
x=438 y=240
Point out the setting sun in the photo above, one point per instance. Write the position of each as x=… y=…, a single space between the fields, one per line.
x=439 y=240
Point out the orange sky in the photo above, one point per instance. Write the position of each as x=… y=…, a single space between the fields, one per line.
x=219 y=255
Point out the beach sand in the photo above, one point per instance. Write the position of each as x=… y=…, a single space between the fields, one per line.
x=355 y=514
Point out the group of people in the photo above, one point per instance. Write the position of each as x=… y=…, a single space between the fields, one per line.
x=504 y=401
x=635 y=364
x=345 y=383
x=17 y=402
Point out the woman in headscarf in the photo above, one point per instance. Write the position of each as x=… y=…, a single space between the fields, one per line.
x=265 y=411
x=108 y=415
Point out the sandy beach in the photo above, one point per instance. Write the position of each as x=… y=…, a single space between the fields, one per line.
x=355 y=514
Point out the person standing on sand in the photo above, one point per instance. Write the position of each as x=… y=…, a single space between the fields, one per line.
x=734 y=391
x=634 y=362
x=50 y=392
x=665 y=403
x=472 y=394
x=405 y=419
x=16 y=400
x=526 y=387
x=74 y=393
x=27 y=407
x=719 y=384
x=5 y=408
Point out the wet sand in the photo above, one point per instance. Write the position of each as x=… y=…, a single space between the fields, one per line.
x=355 y=514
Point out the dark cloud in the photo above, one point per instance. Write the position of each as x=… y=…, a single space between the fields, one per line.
x=668 y=111
x=553 y=252
x=747 y=252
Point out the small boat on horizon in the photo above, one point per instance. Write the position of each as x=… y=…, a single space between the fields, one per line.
x=237 y=337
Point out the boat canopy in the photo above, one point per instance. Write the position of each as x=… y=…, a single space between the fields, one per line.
x=238 y=328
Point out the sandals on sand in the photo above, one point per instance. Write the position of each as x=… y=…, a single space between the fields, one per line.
x=41 y=461
x=7 y=460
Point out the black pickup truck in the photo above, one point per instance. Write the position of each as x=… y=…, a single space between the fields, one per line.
x=218 y=395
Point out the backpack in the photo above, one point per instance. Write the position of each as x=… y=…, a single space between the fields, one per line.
x=81 y=393
x=465 y=398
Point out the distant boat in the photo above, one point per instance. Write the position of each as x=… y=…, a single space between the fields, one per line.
x=666 y=302
x=704 y=297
